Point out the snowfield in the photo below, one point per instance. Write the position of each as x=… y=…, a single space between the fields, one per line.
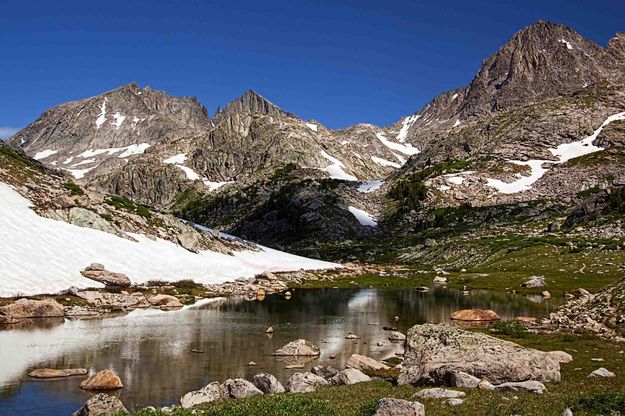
x=363 y=217
x=40 y=255
x=337 y=169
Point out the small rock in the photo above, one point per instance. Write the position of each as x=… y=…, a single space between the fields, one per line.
x=102 y=380
x=207 y=394
x=305 y=383
x=100 y=405
x=269 y=330
x=349 y=376
x=398 y=407
x=601 y=372
x=252 y=364
x=299 y=347
x=534 y=281
x=475 y=315
x=567 y=412
x=546 y=294
x=439 y=393
x=54 y=373
x=453 y=402
x=396 y=336
x=485 y=385
x=439 y=280
x=267 y=383
x=530 y=385
x=352 y=336
x=238 y=388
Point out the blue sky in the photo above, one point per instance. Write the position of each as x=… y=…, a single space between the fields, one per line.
x=339 y=62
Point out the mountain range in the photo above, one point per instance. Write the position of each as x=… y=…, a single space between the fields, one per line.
x=542 y=120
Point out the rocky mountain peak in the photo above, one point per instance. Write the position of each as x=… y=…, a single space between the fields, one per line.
x=250 y=102
x=616 y=45
x=541 y=61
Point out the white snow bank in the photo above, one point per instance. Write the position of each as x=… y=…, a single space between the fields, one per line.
x=180 y=158
x=312 y=126
x=337 y=169
x=133 y=149
x=384 y=162
x=40 y=255
x=102 y=116
x=119 y=120
x=406 y=149
x=564 y=152
x=457 y=123
x=191 y=174
x=370 y=186
x=44 y=154
x=214 y=185
x=567 y=43
x=363 y=217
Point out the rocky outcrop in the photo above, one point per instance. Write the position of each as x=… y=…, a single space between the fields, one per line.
x=435 y=352
x=399 y=407
x=268 y=384
x=101 y=405
x=102 y=380
x=98 y=272
x=206 y=394
x=31 y=308
x=305 y=383
x=57 y=373
x=299 y=347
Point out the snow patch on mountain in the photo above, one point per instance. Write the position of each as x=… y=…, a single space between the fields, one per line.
x=370 y=186
x=406 y=149
x=119 y=120
x=133 y=149
x=363 y=217
x=567 y=43
x=180 y=158
x=44 y=154
x=564 y=152
x=312 y=126
x=337 y=169
x=80 y=173
x=41 y=255
x=384 y=162
x=102 y=116
x=405 y=126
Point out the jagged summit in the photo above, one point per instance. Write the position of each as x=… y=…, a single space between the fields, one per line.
x=251 y=102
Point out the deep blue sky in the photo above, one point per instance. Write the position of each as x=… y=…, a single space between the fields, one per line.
x=339 y=62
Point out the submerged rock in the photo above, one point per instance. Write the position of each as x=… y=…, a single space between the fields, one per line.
x=475 y=315
x=56 y=373
x=398 y=407
x=206 y=394
x=299 y=347
x=435 y=352
x=100 y=405
x=102 y=380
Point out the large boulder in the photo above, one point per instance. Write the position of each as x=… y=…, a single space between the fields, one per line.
x=435 y=352
x=475 y=315
x=348 y=377
x=98 y=273
x=56 y=373
x=102 y=380
x=361 y=362
x=100 y=405
x=238 y=388
x=464 y=380
x=324 y=371
x=305 y=383
x=206 y=394
x=299 y=347
x=31 y=308
x=267 y=383
x=398 y=407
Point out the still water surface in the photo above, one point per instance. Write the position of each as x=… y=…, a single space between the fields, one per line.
x=151 y=350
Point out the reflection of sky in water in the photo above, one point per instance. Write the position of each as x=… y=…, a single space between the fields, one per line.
x=150 y=349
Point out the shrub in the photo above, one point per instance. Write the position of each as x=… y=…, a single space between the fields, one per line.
x=124 y=203
x=513 y=329
x=74 y=189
